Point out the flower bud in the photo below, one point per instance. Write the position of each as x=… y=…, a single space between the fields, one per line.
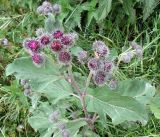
x=31 y=45
x=67 y=40
x=57 y=34
x=56 y=8
x=65 y=133
x=62 y=126
x=26 y=86
x=100 y=48
x=108 y=66
x=99 y=78
x=126 y=57
x=46 y=3
x=64 y=57
x=113 y=84
x=38 y=59
x=56 y=46
x=40 y=31
x=27 y=92
x=95 y=64
x=139 y=53
x=4 y=42
x=45 y=8
x=53 y=117
x=40 y=9
x=44 y=39
x=23 y=82
x=135 y=46
x=82 y=56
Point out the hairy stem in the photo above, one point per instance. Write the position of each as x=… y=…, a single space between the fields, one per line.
x=82 y=96
x=88 y=81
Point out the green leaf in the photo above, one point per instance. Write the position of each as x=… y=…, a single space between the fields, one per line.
x=39 y=120
x=138 y=89
x=130 y=11
x=88 y=133
x=155 y=106
x=103 y=9
x=118 y=108
x=72 y=127
x=74 y=19
x=57 y=90
x=23 y=68
x=90 y=7
x=46 y=80
x=149 y=6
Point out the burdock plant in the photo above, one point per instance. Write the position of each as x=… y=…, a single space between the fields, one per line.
x=66 y=102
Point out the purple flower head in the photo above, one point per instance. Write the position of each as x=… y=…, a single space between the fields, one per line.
x=64 y=57
x=26 y=86
x=38 y=59
x=40 y=32
x=46 y=3
x=99 y=78
x=57 y=34
x=44 y=39
x=53 y=117
x=40 y=9
x=32 y=45
x=62 y=126
x=95 y=64
x=23 y=82
x=82 y=56
x=45 y=8
x=100 y=48
x=139 y=53
x=67 y=40
x=56 y=9
x=135 y=46
x=65 y=133
x=108 y=66
x=126 y=57
x=56 y=46
x=4 y=42
x=27 y=92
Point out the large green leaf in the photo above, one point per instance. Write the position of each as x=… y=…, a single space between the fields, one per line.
x=46 y=80
x=39 y=120
x=155 y=106
x=138 y=89
x=129 y=10
x=72 y=127
x=103 y=9
x=74 y=19
x=118 y=108
x=24 y=68
x=57 y=90
x=149 y=6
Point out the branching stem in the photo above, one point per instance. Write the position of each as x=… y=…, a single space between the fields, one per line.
x=82 y=96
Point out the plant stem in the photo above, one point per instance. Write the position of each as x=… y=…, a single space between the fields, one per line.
x=88 y=81
x=82 y=96
x=2 y=133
